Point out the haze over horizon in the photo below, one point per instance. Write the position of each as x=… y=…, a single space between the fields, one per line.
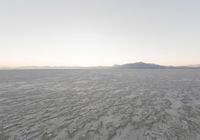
x=99 y=32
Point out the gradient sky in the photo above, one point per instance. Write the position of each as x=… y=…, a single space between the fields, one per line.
x=99 y=32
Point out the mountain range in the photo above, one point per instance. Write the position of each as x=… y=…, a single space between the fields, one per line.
x=142 y=65
x=137 y=65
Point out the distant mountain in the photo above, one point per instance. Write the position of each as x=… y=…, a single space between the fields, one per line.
x=142 y=65
x=137 y=65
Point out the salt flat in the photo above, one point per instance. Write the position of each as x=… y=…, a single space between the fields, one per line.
x=109 y=104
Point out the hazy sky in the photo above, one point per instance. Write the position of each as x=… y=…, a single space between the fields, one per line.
x=99 y=32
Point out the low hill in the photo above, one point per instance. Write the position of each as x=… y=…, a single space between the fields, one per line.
x=142 y=65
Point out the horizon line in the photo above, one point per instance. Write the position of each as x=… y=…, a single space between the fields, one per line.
x=95 y=66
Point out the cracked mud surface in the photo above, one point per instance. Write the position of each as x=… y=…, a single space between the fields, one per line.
x=110 y=104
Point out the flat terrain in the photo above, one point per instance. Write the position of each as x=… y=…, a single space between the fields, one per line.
x=109 y=104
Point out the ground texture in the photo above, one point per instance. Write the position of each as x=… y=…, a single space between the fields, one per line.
x=110 y=104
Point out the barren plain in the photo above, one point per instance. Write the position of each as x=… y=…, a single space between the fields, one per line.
x=100 y=104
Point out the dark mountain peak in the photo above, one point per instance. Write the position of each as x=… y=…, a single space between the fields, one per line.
x=141 y=65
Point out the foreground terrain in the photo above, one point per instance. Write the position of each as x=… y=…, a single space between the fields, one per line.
x=110 y=104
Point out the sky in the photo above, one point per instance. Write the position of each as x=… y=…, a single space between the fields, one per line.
x=99 y=32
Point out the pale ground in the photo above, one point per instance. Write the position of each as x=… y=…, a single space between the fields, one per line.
x=107 y=104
